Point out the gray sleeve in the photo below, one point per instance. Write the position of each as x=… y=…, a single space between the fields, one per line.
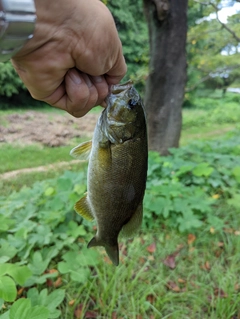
x=17 y=20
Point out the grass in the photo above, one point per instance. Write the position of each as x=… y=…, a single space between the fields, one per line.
x=205 y=133
x=204 y=281
x=14 y=184
x=16 y=157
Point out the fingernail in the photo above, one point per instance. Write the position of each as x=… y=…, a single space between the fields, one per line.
x=97 y=79
x=75 y=77
x=88 y=81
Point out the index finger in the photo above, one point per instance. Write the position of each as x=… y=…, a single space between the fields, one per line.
x=118 y=71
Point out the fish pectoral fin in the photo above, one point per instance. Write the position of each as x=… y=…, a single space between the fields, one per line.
x=134 y=224
x=112 y=250
x=83 y=209
x=82 y=151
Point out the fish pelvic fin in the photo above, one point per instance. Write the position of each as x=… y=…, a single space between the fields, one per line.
x=134 y=224
x=82 y=208
x=82 y=151
x=112 y=250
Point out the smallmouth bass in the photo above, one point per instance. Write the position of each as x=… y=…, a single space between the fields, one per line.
x=117 y=169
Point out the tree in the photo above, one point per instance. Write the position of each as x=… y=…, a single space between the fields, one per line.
x=167 y=23
x=132 y=30
x=213 y=46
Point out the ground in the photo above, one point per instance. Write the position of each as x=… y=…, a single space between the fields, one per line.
x=48 y=128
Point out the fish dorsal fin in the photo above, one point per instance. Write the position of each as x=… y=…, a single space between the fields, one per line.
x=83 y=209
x=82 y=151
x=112 y=251
x=130 y=229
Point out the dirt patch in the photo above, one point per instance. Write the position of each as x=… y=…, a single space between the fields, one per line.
x=48 y=129
x=44 y=168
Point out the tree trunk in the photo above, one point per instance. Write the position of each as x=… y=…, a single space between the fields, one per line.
x=167 y=22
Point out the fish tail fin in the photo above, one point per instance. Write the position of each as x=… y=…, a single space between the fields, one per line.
x=112 y=250
x=113 y=253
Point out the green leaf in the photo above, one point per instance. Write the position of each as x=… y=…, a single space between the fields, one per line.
x=80 y=189
x=19 y=309
x=88 y=257
x=4 y=268
x=202 y=169
x=51 y=301
x=22 y=309
x=38 y=265
x=1 y=303
x=20 y=274
x=63 y=267
x=81 y=275
x=63 y=184
x=5 y=223
x=187 y=223
x=234 y=201
x=8 y=251
x=38 y=312
x=49 y=191
x=236 y=173
x=8 y=291
x=76 y=231
x=5 y=315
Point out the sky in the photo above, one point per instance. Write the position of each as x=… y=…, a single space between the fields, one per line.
x=229 y=7
x=226 y=11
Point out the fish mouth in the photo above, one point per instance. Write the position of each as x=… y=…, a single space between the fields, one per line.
x=125 y=90
x=119 y=88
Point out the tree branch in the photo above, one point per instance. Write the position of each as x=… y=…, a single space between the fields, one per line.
x=193 y=87
x=205 y=78
x=237 y=38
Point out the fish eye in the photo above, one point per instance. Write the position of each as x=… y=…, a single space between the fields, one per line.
x=132 y=103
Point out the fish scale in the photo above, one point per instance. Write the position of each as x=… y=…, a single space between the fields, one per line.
x=117 y=170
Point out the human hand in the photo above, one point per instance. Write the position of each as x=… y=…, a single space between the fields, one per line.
x=74 y=55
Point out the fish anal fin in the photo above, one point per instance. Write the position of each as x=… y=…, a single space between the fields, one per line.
x=82 y=151
x=83 y=209
x=134 y=224
x=112 y=250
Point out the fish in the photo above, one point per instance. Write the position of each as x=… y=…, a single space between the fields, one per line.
x=117 y=169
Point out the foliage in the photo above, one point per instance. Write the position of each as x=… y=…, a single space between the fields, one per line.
x=45 y=266
x=213 y=55
x=36 y=225
x=184 y=188
x=208 y=111
x=10 y=83
x=13 y=92
x=132 y=29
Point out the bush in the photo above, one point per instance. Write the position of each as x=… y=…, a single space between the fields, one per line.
x=184 y=188
x=10 y=82
x=13 y=92
x=40 y=230
x=219 y=113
